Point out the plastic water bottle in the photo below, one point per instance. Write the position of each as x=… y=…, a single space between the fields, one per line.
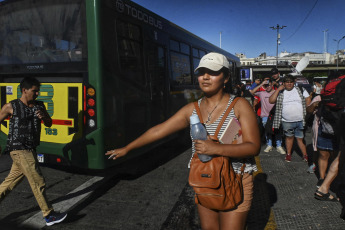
x=198 y=132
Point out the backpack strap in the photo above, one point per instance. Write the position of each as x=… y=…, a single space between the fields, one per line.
x=196 y=105
x=225 y=115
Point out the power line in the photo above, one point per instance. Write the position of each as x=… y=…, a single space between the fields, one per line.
x=302 y=21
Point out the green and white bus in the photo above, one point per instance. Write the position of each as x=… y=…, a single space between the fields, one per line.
x=109 y=69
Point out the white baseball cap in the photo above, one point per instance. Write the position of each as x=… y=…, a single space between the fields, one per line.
x=213 y=61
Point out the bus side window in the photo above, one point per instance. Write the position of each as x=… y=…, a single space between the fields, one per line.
x=197 y=55
x=180 y=63
x=130 y=51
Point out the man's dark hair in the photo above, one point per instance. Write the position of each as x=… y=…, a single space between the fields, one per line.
x=28 y=82
x=274 y=71
x=289 y=78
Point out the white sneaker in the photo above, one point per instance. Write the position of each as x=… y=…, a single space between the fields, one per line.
x=268 y=148
x=281 y=150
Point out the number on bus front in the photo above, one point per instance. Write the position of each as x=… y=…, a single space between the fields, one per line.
x=50 y=131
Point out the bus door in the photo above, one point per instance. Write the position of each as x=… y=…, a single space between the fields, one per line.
x=156 y=71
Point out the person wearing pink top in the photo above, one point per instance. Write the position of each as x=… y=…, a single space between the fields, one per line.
x=266 y=108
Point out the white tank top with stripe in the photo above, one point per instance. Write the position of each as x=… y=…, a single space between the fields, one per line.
x=211 y=129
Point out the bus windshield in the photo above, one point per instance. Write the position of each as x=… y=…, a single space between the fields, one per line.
x=42 y=31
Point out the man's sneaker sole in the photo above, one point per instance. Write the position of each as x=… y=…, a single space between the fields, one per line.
x=267 y=149
x=56 y=221
x=281 y=150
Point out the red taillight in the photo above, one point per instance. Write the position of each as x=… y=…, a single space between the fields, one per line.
x=91 y=102
x=58 y=160
x=91 y=112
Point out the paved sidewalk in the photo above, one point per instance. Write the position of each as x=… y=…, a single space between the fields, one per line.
x=283 y=199
x=292 y=194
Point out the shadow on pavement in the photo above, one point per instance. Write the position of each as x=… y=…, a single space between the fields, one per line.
x=265 y=195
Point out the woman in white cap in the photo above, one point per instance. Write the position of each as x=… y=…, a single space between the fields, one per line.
x=213 y=73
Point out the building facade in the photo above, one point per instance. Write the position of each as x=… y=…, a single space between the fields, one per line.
x=286 y=58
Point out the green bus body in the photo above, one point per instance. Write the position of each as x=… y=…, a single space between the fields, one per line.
x=139 y=65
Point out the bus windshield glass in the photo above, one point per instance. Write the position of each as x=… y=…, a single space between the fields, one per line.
x=41 y=31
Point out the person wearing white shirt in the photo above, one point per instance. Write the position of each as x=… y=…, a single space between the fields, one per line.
x=290 y=112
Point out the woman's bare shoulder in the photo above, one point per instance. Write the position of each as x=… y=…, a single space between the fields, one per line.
x=189 y=107
x=242 y=106
x=241 y=103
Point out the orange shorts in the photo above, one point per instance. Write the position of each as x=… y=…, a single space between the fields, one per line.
x=248 y=186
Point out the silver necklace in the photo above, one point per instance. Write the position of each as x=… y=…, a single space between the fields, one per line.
x=210 y=114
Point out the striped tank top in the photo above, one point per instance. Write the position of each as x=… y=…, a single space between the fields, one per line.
x=211 y=129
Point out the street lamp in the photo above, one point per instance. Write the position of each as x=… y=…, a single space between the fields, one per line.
x=278 y=38
x=338 y=49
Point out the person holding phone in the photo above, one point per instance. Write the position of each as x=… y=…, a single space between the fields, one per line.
x=266 y=108
x=276 y=79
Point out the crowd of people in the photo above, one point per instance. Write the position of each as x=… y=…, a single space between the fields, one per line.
x=283 y=108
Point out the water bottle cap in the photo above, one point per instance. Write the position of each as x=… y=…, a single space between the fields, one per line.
x=194 y=119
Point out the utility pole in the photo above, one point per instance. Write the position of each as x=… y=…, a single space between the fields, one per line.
x=338 y=49
x=220 y=39
x=278 y=38
x=325 y=40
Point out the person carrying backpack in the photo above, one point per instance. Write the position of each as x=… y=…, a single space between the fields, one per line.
x=213 y=74
x=333 y=105
x=333 y=116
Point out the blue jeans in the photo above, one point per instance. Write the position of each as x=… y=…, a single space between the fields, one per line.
x=278 y=136
x=293 y=129
x=326 y=142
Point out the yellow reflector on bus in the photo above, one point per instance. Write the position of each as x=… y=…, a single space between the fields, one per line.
x=91 y=92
